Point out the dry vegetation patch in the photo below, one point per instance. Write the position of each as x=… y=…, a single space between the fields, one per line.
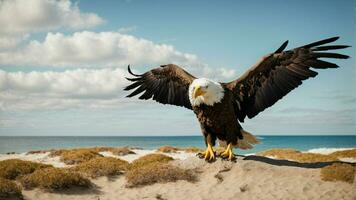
x=13 y=168
x=192 y=150
x=54 y=179
x=170 y=149
x=291 y=154
x=157 y=173
x=345 y=153
x=75 y=156
x=148 y=159
x=37 y=152
x=338 y=172
x=118 y=151
x=122 y=151
x=9 y=189
x=154 y=168
x=101 y=166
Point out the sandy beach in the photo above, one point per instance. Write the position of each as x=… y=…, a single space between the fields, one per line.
x=250 y=177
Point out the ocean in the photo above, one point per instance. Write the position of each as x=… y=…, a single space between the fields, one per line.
x=302 y=143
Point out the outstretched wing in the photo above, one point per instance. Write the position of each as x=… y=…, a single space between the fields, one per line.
x=279 y=73
x=167 y=84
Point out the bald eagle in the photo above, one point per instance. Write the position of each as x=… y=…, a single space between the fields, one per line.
x=220 y=107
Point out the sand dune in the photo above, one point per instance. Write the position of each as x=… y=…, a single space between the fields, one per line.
x=245 y=179
x=250 y=177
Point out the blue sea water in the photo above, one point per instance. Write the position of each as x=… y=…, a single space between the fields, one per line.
x=303 y=143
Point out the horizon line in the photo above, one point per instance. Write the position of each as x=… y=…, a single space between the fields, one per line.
x=352 y=134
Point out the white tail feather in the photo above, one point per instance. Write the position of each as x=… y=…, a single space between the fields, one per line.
x=247 y=141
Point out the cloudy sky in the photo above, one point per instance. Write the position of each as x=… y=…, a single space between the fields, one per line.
x=62 y=63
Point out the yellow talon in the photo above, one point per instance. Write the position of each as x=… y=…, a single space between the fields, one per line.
x=228 y=153
x=209 y=153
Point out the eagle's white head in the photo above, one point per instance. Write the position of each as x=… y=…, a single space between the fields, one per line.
x=205 y=91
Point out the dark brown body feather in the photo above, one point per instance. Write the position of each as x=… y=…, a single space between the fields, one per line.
x=259 y=88
x=219 y=121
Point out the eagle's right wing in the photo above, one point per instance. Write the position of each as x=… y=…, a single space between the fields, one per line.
x=167 y=84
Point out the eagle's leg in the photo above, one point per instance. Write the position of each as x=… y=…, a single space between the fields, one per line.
x=228 y=153
x=208 y=154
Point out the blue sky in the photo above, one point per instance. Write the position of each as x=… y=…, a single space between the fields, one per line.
x=62 y=63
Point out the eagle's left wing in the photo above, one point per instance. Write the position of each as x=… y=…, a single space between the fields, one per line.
x=279 y=73
x=167 y=84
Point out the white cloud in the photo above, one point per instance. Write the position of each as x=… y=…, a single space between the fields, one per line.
x=42 y=90
x=86 y=87
x=90 y=49
x=80 y=83
x=25 y=16
x=9 y=42
x=105 y=49
x=95 y=88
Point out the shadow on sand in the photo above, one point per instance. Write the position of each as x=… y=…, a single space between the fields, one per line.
x=79 y=191
x=291 y=163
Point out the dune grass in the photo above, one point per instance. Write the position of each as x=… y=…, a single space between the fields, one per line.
x=157 y=172
x=54 y=179
x=148 y=159
x=171 y=149
x=121 y=151
x=9 y=189
x=154 y=168
x=291 y=154
x=168 y=149
x=338 y=172
x=37 y=152
x=75 y=156
x=345 y=153
x=12 y=168
x=101 y=166
x=118 y=151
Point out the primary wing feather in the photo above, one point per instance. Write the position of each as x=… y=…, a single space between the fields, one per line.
x=167 y=84
x=279 y=73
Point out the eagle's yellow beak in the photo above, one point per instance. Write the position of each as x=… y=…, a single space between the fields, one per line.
x=198 y=92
